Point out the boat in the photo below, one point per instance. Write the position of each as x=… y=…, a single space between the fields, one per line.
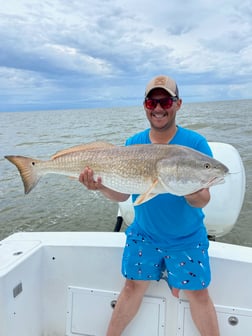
x=67 y=283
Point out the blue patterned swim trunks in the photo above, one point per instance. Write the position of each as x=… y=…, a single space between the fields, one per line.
x=182 y=269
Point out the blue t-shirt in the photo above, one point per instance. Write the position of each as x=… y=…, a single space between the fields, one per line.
x=168 y=219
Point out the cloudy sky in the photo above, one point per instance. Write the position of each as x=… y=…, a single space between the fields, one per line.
x=60 y=54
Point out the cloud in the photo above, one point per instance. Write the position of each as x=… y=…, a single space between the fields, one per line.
x=71 y=54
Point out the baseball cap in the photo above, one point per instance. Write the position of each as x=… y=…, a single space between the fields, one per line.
x=162 y=82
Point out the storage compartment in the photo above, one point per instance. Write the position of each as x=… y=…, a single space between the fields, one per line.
x=89 y=312
x=232 y=321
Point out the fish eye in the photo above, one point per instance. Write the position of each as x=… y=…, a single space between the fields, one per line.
x=207 y=165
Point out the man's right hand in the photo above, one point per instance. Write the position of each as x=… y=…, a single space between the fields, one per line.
x=87 y=178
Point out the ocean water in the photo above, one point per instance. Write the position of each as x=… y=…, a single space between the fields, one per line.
x=62 y=204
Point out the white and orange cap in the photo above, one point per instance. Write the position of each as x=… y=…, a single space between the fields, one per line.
x=162 y=82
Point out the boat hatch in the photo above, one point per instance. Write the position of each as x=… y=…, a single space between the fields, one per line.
x=232 y=321
x=98 y=304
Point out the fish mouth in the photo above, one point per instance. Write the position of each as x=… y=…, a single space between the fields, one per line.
x=215 y=180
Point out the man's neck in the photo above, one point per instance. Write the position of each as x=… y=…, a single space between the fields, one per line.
x=164 y=136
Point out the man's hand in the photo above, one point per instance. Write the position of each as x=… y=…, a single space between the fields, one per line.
x=199 y=199
x=87 y=178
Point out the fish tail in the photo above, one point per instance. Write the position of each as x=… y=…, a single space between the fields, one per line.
x=27 y=168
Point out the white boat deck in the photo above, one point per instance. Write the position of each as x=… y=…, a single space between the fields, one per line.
x=55 y=284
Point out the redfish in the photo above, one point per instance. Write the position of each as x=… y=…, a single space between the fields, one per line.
x=147 y=170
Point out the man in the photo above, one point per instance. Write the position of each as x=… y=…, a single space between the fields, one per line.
x=168 y=233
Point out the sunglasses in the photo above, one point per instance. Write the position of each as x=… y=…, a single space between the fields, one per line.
x=165 y=103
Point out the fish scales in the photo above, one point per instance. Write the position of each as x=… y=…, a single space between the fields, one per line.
x=121 y=160
x=121 y=168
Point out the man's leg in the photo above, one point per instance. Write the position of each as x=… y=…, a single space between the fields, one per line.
x=127 y=306
x=203 y=312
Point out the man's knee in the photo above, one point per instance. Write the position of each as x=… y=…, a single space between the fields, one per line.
x=135 y=287
x=201 y=296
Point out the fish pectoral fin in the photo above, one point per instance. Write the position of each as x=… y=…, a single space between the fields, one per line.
x=168 y=187
x=82 y=147
x=147 y=195
x=144 y=198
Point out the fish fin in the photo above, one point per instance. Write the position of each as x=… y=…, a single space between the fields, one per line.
x=88 y=146
x=27 y=169
x=168 y=188
x=147 y=195
x=144 y=198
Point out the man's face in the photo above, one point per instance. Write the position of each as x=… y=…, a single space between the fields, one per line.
x=159 y=117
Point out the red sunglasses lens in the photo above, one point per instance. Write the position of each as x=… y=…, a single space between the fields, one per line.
x=150 y=104
x=165 y=103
